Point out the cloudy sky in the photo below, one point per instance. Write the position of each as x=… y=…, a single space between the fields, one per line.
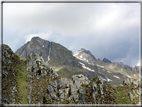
x=109 y=30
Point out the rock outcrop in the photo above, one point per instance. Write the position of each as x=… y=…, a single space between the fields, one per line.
x=45 y=86
x=9 y=87
x=134 y=93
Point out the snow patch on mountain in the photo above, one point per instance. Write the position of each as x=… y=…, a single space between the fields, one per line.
x=83 y=65
x=100 y=66
x=116 y=76
x=76 y=53
x=108 y=71
x=49 y=54
x=108 y=79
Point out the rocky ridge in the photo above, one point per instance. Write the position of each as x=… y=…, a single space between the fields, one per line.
x=45 y=86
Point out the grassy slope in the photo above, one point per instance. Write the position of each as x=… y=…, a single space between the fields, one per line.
x=121 y=95
x=20 y=66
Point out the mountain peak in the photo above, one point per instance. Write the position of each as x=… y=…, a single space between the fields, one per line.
x=85 y=55
x=106 y=60
x=35 y=38
x=82 y=49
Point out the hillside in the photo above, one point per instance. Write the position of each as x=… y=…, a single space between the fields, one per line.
x=33 y=81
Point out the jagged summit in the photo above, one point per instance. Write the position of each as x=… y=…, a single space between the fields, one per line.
x=53 y=53
x=106 y=60
x=85 y=55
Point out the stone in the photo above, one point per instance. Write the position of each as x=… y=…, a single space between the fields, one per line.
x=70 y=98
x=127 y=82
x=64 y=83
x=73 y=89
x=5 y=73
x=82 y=90
x=79 y=79
x=82 y=97
x=131 y=96
x=76 y=98
x=29 y=76
x=50 y=91
x=94 y=87
x=135 y=84
x=29 y=99
x=101 y=89
x=43 y=72
x=53 y=84
x=137 y=92
x=95 y=91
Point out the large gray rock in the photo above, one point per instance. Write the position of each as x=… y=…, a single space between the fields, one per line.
x=64 y=83
x=63 y=94
x=128 y=81
x=50 y=91
x=135 y=84
x=76 y=98
x=79 y=79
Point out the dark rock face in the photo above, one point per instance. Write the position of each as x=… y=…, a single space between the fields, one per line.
x=52 y=53
x=106 y=60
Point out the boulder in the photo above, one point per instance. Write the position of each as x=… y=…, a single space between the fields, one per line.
x=76 y=98
x=64 y=83
x=131 y=96
x=79 y=79
x=127 y=82
x=94 y=87
x=135 y=84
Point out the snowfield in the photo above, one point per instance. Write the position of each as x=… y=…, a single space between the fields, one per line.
x=108 y=79
x=116 y=76
x=100 y=66
x=83 y=65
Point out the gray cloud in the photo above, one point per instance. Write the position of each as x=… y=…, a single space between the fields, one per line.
x=108 y=30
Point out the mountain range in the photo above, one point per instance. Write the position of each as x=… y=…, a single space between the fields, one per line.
x=66 y=63
x=45 y=72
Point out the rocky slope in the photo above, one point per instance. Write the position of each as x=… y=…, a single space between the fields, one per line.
x=85 y=55
x=9 y=76
x=33 y=81
x=53 y=53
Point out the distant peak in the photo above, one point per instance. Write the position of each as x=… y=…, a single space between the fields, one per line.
x=106 y=60
x=35 y=38
x=82 y=49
